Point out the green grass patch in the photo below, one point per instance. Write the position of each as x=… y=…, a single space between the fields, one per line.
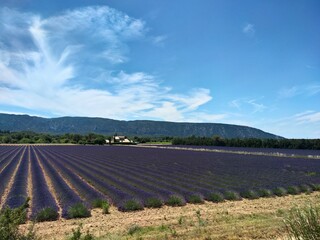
x=195 y=199
x=175 y=200
x=232 y=195
x=265 y=192
x=293 y=190
x=153 y=202
x=131 y=205
x=305 y=188
x=303 y=223
x=98 y=203
x=280 y=191
x=78 y=210
x=215 y=197
x=250 y=194
x=47 y=214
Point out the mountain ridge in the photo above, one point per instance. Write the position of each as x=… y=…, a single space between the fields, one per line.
x=107 y=126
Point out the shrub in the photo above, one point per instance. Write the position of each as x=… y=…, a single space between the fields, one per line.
x=250 y=194
x=305 y=188
x=232 y=195
x=9 y=223
x=105 y=207
x=175 y=200
x=215 y=197
x=280 y=191
x=153 y=202
x=303 y=223
x=195 y=199
x=265 y=192
x=130 y=205
x=47 y=214
x=134 y=229
x=77 y=235
x=315 y=187
x=78 y=211
x=293 y=190
x=98 y=203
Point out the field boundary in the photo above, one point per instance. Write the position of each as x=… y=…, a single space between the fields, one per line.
x=275 y=154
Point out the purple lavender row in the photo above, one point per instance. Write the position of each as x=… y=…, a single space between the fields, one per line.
x=135 y=175
x=41 y=196
x=66 y=196
x=85 y=190
x=18 y=192
x=182 y=181
x=7 y=172
x=233 y=165
x=171 y=182
x=240 y=172
x=115 y=194
x=142 y=184
x=111 y=180
x=5 y=154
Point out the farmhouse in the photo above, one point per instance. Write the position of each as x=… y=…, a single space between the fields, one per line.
x=120 y=139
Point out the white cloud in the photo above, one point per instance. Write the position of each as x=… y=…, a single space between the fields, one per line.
x=300 y=125
x=159 y=40
x=288 y=92
x=245 y=104
x=249 y=29
x=65 y=65
x=308 y=117
x=307 y=90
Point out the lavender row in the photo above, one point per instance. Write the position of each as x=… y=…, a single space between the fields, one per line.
x=7 y=172
x=128 y=163
x=88 y=193
x=18 y=192
x=41 y=196
x=66 y=196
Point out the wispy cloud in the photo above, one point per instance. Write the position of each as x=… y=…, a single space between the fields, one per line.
x=245 y=103
x=65 y=65
x=308 y=117
x=249 y=29
x=159 y=40
x=307 y=90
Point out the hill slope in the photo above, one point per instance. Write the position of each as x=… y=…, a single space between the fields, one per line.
x=106 y=126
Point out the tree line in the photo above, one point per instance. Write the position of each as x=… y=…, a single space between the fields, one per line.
x=313 y=144
x=34 y=138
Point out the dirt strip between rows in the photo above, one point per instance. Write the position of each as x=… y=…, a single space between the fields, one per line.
x=273 y=154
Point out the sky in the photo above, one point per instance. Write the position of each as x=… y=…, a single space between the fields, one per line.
x=248 y=62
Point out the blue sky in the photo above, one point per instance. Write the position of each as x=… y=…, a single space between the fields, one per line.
x=254 y=63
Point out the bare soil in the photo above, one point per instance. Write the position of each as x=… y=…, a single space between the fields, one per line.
x=247 y=219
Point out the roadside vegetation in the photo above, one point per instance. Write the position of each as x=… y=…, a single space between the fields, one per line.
x=299 y=223
x=40 y=138
x=312 y=144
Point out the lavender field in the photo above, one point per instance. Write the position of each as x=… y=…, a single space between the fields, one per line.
x=61 y=176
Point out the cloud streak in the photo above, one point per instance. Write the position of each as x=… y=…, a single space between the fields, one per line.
x=306 y=90
x=249 y=30
x=66 y=65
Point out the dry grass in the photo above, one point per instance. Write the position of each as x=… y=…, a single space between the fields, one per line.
x=246 y=219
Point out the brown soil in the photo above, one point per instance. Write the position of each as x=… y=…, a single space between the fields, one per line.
x=246 y=219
